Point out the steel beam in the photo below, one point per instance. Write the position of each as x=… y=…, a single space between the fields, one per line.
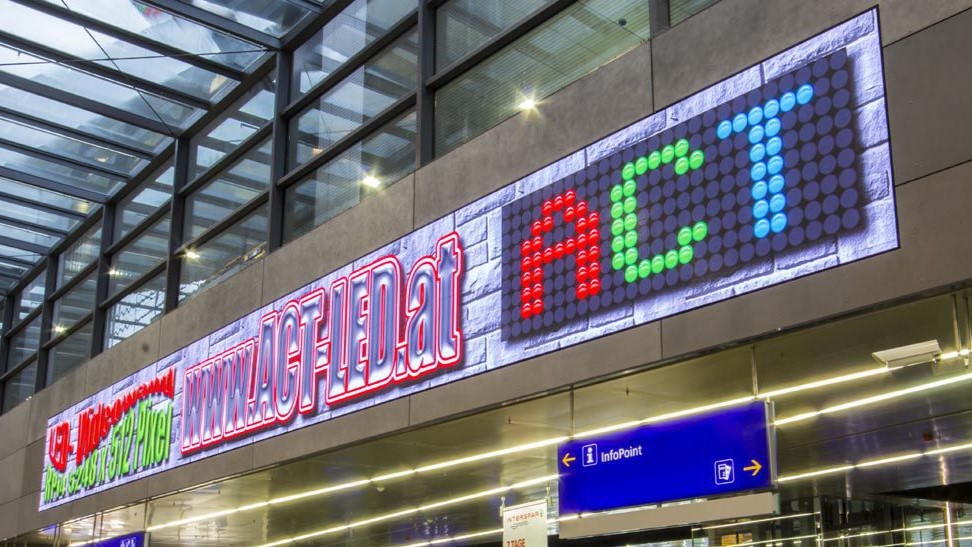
x=58 y=10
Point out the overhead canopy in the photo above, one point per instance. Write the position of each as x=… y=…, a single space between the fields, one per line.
x=93 y=94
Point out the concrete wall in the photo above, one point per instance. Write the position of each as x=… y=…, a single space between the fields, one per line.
x=927 y=73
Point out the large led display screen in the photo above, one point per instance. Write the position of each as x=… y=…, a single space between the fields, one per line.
x=760 y=175
x=779 y=171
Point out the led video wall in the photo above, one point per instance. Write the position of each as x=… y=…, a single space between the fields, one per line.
x=779 y=171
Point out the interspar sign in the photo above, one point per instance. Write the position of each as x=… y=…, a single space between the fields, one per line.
x=777 y=172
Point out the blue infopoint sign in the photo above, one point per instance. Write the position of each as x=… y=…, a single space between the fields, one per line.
x=130 y=540
x=723 y=452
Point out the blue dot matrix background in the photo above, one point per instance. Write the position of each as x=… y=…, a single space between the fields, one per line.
x=818 y=185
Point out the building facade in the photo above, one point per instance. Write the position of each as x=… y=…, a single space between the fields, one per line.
x=361 y=276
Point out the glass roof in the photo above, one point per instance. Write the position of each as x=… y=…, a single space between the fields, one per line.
x=92 y=93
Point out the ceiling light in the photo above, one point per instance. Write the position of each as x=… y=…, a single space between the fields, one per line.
x=528 y=103
x=191 y=254
x=823 y=383
x=757 y=521
x=393 y=475
x=316 y=150
x=102 y=159
x=59 y=329
x=413 y=510
x=371 y=181
x=875 y=399
x=873 y=462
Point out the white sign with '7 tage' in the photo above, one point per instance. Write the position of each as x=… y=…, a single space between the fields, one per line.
x=525 y=525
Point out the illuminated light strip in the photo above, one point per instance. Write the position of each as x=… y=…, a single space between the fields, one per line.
x=757 y=521
x=875 y=463
x=546 y=442
x=363 y=482
x=954 y=354
x=413 y=510
x=923 y=542
x=892 y=459
x=819 y=472
x=823 y=383
x=479 y=534
x=905 y=529
x=777 y=541
x=876 y=398
x=948 y=449
x=665 y=417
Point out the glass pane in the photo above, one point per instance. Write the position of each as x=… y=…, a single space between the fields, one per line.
x=254 y=111
x=19 y=387
x=135 y=310
x=348 y=33
x=80 y=178
x=7 y=283
x=167 y=71
x=58 y=76
x=380 y=159
x=239 y=184
x=383 y=80
x=11 y=270
x=54 y=199
x=69 y=148
x=29 y=298
x=18 y=254
x=229 y=252
x=27 y=235
x=153 y=194
x=570 y=45
x=24 y=343
x=60 y=34
x=82 y=120
x=17 y=212
x=79 y=255
x=275 y=18
x=461 y=26
x=163 y=27
x=75 y=305
x=139 y=256
x=69 y=353
x=680 y=10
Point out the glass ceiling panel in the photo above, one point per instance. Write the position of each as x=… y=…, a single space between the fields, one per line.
x=42 y=71
x=68 y=147
x=27 y=235
x=72 y=39
x=38 y=217
x=163 y=27
x=57 y=172
x=18 y=254
x=96 y=125
x=349 y=32
x=141 y=203
x=11 y=269
x=54 y=199
x=224 y=135
x=239 y=184
x=275 y=18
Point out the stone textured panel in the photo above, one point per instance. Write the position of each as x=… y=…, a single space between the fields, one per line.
x=929 y=108
x=376 y=221
x=215 y=308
